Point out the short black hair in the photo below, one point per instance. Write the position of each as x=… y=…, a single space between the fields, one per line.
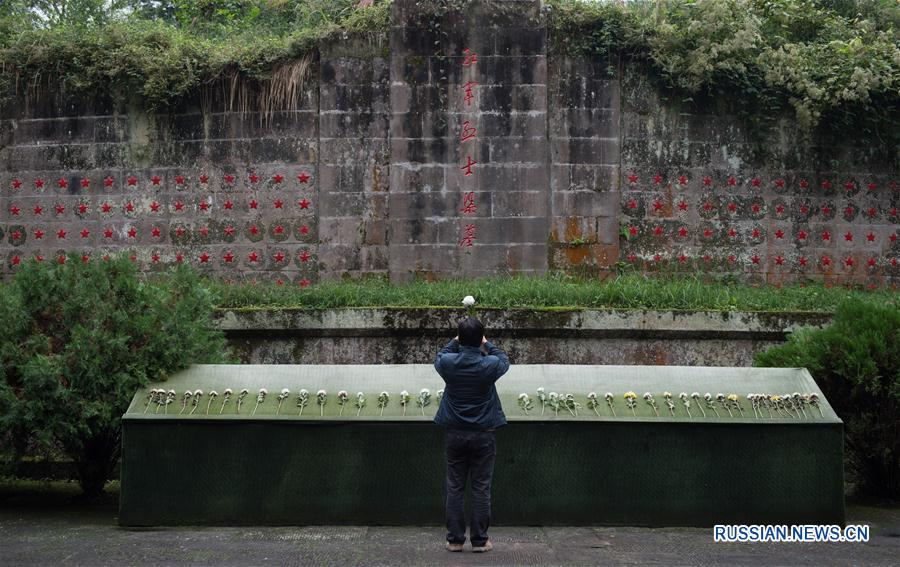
x=471 y=331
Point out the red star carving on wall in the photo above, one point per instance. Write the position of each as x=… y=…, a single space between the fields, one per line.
x=871 y=262
x=849 y=261
x=229 y=231
x=682 y=180
x=707 y=233
x=278 y=229
x=154 y=258
x=62 y=183
x=633 y=230
x=61 y=234
x=129 y=207
x=279 y=257
x=658 y=179
x=204 y=179
x=107 y=233
x=304 y=282
x=848 y=237
x=304 y=256
x=277 y=178
x=253 y=257
x=229 y=178
x=85 y=183
x=826 y=261
x=179 y=206
x=682 y=206
x=106 y=207
x=14 y=210
x=38 y=210
x=253 y=178
x=732 y=181
x=707 y=181
x=228 y=257
x=278 y=204
x=755 y=259
x=179 y=180
x=779 y=261
x=16 y=234
x=707 y=206
x=61 y=259
x=804 y=184
x=849 y=211
x=658 y=231
x=826 y=235
x=179 y=231
x=756 y=182
x=204 y=231
x=779 y=183
x=872 y=212
x=870 y=237
x=657 y=257
x=682 y=232
x=304 y=203
x=253 y=204
x=85 y=258
x=849 y=186
x=156 y=232
x=826 y=210
x=303 y=177
x=39 y=183
x=132 y=181
x=304 y=229
x=132 y=232
x=732 y=207
x=15 y=261
x=802 y=260
x=59 y=209
x=657 y=206
x=154 y=207
x=155 y=180
x=755 y=207
x=632 y=178
x=779 y=233
x=779 y=209
x=755 y=233
x=254 y=230
x=228 y=205
x=16 y=183
x=204 y=206
x=85 y=233
x=204 y=258
x=732 y=233
x=804 y=209
x=826 y=185
x=107 y=182
x=707 y=258
x=632 y=204
x=38 y=234
x=893 y=237
x=682 y=258
x=179 y=257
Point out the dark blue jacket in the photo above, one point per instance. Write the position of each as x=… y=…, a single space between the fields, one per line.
x=470 y=397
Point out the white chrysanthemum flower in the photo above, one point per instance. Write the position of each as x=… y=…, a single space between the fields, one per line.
x=540 y=390
x=468 y=301
x=228 y=391
x=198 y=392
x=285 y=391
x=523 y=396
x=263 y=391
x=343 y=394
x=404 y=393
x=213 y=394
x=424 y=391
x=321 y=393
x=383 y=393
x=304 y=392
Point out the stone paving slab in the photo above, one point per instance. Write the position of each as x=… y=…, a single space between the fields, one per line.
x=65 y=532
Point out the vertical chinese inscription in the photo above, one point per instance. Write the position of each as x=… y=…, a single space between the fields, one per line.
x=467 y=136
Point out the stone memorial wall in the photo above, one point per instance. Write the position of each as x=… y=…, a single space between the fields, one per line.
x=463 y=144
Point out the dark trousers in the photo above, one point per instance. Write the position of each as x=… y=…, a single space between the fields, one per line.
x=469 y=455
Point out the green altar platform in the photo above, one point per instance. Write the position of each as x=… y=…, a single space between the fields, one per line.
x=579 y=467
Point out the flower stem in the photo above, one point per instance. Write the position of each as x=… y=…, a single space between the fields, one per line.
x=358 y=410
x=209 y=403
x=254 y=409
x=596 y=412
x=321 y=410
x=341 y=413
x=382 y=411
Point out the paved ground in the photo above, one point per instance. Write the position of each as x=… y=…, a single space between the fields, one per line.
x=49 y=527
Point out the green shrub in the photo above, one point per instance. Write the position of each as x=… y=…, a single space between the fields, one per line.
x=78 y=340
x=856 y=362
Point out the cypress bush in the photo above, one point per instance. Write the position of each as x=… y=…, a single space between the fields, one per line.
x=78 y=339
x=856 y=363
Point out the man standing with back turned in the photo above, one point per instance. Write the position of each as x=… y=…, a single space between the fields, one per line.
x=470 y=411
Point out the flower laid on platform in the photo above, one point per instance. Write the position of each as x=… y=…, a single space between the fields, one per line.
x=630 y=401
x=525 y=402
x=724 y=402
x=814 y=402
x=710 y=404
x=343 y=398
x=669 y=403
x=593 y=402
x=240 y=401
x=302 y=399
x=648 y=397
x=610 y=401
x=799 y=402
x=152 y=398
x=696 y=398
x=404 y=400
x=788 y=402
x=281 y=397
x=196 y=401
x=383 y=399
x=687 y=402
x=170 y=398
x=360 y=402
x=212 y=395
x=184 y=400
x=321 y=400
x=439 y=395
x=754 y=404
x=553 y=401
x=568 y=402
x=226 y=396
x=424 y=399
x=260 y=398
x=775 y=402
x=736 y=404
x=542 y=397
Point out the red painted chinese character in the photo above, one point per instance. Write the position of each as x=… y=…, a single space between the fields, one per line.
x=469 y=203
x=469 y=164
x=467 y=132
x=468 y=238
x=470 y=57
x=469 y=95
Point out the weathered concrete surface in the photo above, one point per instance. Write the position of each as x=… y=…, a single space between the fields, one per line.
x=413 y=335
x=48 y=530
